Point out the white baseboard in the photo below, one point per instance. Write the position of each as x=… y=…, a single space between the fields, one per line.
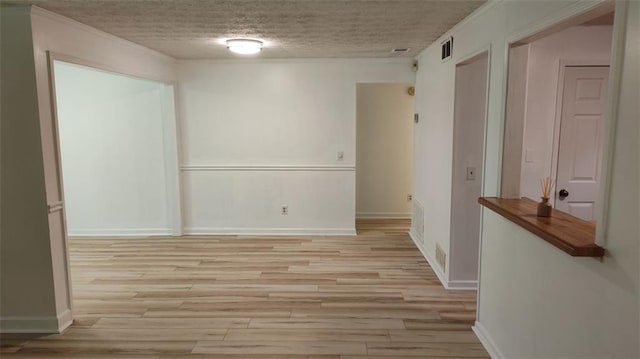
x=432 y=262
x=36 y=325
x=119 y=232
x=271 y=231
x=447 y=284
x=414 y=236
x=488 y=343
x=463 y=284
x=380 y=215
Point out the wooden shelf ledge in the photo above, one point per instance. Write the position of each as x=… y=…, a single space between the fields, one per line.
x=572 y=235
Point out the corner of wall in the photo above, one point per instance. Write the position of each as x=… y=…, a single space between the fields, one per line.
x=40 y=325
x=442 y=276
x=486 y=341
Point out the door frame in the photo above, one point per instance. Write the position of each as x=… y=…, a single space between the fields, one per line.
x=172 y=169
x=169 y=125
x=557 y=120
x=466 y=59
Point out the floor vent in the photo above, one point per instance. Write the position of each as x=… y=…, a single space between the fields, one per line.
x=441 y=257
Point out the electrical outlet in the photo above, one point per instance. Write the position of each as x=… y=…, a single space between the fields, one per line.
x=285 y=210
x=409 y=197
x=340 y=155
x=471 y=173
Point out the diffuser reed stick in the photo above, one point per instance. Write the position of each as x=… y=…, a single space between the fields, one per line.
x=546 y=184
x=544 y=207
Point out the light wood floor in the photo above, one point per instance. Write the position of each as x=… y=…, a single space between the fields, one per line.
x=370 y=296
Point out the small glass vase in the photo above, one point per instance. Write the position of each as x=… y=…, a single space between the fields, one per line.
x=544 y=207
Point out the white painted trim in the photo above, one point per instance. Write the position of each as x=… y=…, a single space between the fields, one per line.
x=192 y=168
x=120 y=232
x=170 y=144
x=449 y=285
x=44 y=325
x=35 y=10
x=462 y=284
x=467 y=59
x=65 y=319
x=615 y=82
x=474 y=55
x=479 y=289
x=485 y=339
x=270 y=231
x=59 y=206
x=432 y=262
x=103 y=67
x=414 y=235
x=560 y=19
x=378 y=215
x=55 y=207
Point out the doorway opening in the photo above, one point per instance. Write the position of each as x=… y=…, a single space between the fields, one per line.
x=557 y=103
x=384 y=151
x=470 y=113
x=117 y=148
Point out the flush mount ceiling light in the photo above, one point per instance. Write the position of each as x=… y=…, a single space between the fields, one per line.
x=244 y=46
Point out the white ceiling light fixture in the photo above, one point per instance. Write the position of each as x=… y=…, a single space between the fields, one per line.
x=244 y=46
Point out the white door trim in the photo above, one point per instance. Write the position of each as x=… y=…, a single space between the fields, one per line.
x=58 y=208
x=467 y=59
x=615 y=79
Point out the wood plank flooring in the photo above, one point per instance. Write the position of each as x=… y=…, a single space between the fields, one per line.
x=369 y=296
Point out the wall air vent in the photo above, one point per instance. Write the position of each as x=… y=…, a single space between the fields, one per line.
x=400 y=50
x=447 y=49
x=417 y=220
x=441 y=257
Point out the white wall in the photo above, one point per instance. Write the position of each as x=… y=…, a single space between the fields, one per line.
x=34 y=248
x=534 y=300
x=384 y=146
x=27 y=292
x=258 y=135
x=577 y=43
x=468 y=144
x=112 y=145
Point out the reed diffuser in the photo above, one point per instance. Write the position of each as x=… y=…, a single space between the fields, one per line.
x=544 y=207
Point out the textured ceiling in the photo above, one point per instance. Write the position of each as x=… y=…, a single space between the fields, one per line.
x=291 y=28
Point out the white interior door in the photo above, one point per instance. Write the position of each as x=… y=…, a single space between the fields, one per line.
x=581 y=138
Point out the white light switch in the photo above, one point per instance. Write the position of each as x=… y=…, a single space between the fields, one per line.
x=340 y=155
x=471 y=173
